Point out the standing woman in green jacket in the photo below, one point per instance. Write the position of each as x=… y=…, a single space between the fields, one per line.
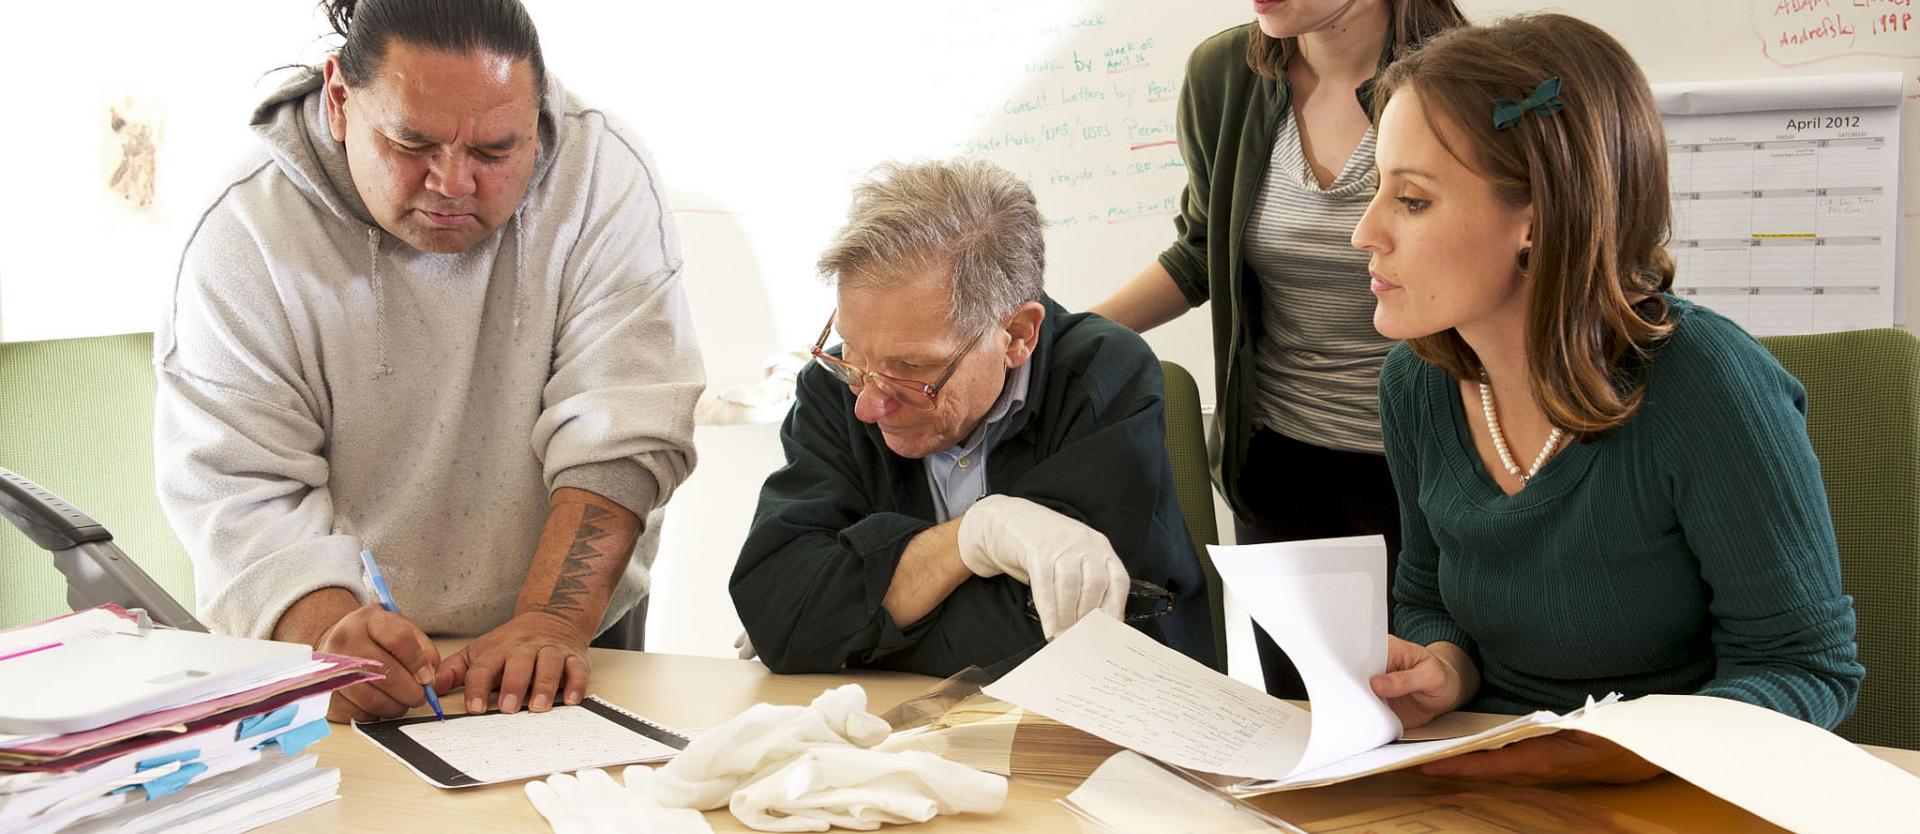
x=1603 y=488
x=1275 y=132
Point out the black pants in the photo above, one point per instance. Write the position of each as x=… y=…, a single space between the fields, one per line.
x=1295 y=491
x=629 y=632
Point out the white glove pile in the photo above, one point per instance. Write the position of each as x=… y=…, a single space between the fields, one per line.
x=1070 y=568
x=787 y=768
x=778 y=768
x=589 y=802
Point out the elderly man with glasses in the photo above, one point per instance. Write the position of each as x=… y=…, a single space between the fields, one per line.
x=972 y=469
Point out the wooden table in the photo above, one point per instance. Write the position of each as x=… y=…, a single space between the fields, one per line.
x=379 y=794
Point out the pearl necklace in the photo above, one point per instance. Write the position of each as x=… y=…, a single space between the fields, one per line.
x=1500 y=438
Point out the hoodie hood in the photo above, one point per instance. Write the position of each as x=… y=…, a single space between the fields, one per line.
x=292 y=123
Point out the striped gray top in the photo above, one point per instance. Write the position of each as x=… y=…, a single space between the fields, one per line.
x=1317 y=358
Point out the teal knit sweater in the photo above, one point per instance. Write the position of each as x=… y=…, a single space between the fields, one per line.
x=1688 y=551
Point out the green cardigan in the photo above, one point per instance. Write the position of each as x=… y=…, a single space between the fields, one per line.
x=832 y=523
x=1228 y=118
x=1688 y=551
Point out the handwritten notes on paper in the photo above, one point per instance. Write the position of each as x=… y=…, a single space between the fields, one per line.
x=1797 y=32
x=467 y=750
x=497 y=746
x=1117 y=683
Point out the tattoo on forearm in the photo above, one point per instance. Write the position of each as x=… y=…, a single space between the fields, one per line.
x=572 y=589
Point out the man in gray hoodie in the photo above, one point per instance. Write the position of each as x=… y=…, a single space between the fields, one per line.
x=439 y=317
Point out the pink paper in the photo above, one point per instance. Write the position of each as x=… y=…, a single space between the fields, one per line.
x=101 y=750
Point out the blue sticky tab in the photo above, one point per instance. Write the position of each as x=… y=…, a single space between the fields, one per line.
x=295 y=741
x=173 y=782
x=159 y=761
x=256 y=725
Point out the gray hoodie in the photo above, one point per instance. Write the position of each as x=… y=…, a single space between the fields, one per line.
x=324 y=387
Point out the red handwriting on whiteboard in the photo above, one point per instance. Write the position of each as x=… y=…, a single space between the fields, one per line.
x=1797 y=32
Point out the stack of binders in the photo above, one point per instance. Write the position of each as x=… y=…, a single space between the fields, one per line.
x=108 y=723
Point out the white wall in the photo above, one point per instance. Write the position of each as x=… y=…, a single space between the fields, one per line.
x=74 y=261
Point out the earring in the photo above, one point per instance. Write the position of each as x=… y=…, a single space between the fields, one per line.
x=1524 y=252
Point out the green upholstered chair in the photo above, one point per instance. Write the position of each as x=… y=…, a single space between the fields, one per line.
x=76 y=417
x=1863 y=414
x=1187 y=452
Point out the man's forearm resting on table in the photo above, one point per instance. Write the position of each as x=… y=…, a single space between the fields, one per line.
x=582 y=553
x=929 y=570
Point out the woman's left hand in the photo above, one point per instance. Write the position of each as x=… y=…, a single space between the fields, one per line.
x=1566 y=756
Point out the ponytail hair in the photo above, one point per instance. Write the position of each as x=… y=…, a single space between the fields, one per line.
x=368 y=26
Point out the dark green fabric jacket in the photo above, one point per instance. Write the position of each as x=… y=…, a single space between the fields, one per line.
x=832 y=523
x=1228 y=118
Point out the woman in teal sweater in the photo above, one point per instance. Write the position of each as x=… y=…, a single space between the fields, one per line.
x=1603 y=488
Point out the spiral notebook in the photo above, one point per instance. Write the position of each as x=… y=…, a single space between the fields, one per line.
x=468 y=750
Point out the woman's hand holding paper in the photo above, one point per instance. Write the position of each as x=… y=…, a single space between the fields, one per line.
x=1423 y=682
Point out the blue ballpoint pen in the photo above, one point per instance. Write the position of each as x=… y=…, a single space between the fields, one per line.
x=386 y=601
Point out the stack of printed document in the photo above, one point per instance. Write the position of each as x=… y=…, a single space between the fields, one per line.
x=109 y=723
x=1324 y=603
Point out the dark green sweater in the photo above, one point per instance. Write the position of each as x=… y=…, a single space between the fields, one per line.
x=1688 y=551
x=1090 y=443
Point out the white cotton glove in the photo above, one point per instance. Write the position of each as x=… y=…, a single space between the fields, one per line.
x=764 y=737
x=743 y=646
x=590 y=802
x=1069 y=567
x=864 y=789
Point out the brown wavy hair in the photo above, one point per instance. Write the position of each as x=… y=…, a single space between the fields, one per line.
x=1414 y=21
x=1596 y=175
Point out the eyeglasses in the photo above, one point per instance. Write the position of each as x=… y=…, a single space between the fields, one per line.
x=910 y=392
x=1145 y=601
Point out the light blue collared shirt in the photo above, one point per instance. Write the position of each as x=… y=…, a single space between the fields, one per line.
x=958 y=475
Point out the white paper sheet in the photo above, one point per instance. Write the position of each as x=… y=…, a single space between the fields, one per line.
x=1129 y=793
x=1787 y=771
x=1785 y=199
x=1797 y=92
x=1116 y=683
x=1324 y=601
x=244 y=799
x=76 y=628
x=1395 y=756
x=497 y=747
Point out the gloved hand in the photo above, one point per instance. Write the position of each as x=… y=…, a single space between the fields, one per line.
x=743 y=645
x=590 y=802
x=1069 y=567
x=722 y=759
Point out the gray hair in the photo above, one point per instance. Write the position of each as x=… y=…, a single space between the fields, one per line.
x=969 y=217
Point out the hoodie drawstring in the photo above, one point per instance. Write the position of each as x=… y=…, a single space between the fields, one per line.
x=379 y=304
x=519 y=266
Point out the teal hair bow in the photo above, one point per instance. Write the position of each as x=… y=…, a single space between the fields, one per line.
x=1545 y=99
